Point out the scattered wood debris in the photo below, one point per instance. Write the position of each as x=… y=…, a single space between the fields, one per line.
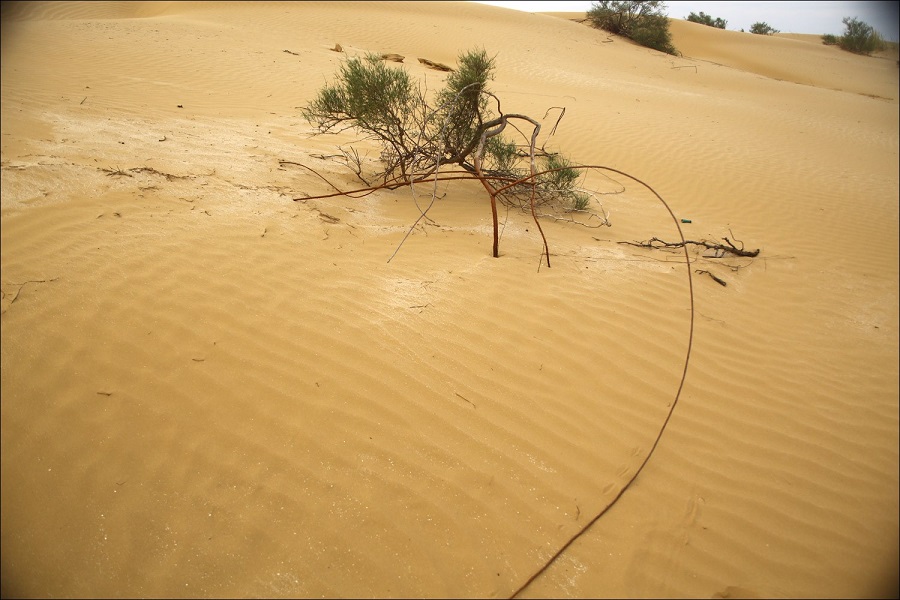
x=718 y=280
x=435 y=65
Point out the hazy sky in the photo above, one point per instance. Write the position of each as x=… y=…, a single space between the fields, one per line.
x=788 y=17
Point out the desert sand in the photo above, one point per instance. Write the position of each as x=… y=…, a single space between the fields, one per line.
x=213 y=386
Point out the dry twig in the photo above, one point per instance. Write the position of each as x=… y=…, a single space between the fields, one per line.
x=19 y=289
x=718 y=280
x=116 y=172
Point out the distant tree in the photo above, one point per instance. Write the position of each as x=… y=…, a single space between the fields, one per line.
x=860 y=37
x=706 y=19
x=643 y=21
x=763 y=28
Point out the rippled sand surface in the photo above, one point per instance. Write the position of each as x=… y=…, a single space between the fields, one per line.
x=210 y=388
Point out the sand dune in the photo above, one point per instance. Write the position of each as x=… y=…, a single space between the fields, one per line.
x=213 y=386
x=811 y=62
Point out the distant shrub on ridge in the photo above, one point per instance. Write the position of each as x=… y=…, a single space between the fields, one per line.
x=860 y=37
x=705 y=19
x=643 y=21
x=763 y=28
x=830 y=39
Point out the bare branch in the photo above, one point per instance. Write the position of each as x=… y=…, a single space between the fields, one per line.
x=721 y=249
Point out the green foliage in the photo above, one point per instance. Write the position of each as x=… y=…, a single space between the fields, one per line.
x=463 y=104
x=559 y=175
x=501 y=156
x=559 y=179
x=705 y=19
x=643 y=21
x=368 y=92
x=580 y=201
x=860 y=37
x=830 y=40
x=375 y=99
x=763 y=28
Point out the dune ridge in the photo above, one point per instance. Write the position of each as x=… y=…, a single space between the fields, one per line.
x=214 y=385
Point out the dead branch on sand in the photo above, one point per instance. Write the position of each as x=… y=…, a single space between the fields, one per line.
x=19 y=289
x=720 y=249
x=117 y=172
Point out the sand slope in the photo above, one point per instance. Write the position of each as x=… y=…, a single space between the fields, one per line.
x=211 y=388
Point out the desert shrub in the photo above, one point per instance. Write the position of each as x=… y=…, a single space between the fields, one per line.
x=458 y=128
x=830 y=39
x=763 y=28
x=860 y=37
x=705 y=19
x=417 y=137
x=653 y=32
x=643 y=21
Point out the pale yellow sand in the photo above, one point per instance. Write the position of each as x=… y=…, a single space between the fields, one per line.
x=209 y=389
